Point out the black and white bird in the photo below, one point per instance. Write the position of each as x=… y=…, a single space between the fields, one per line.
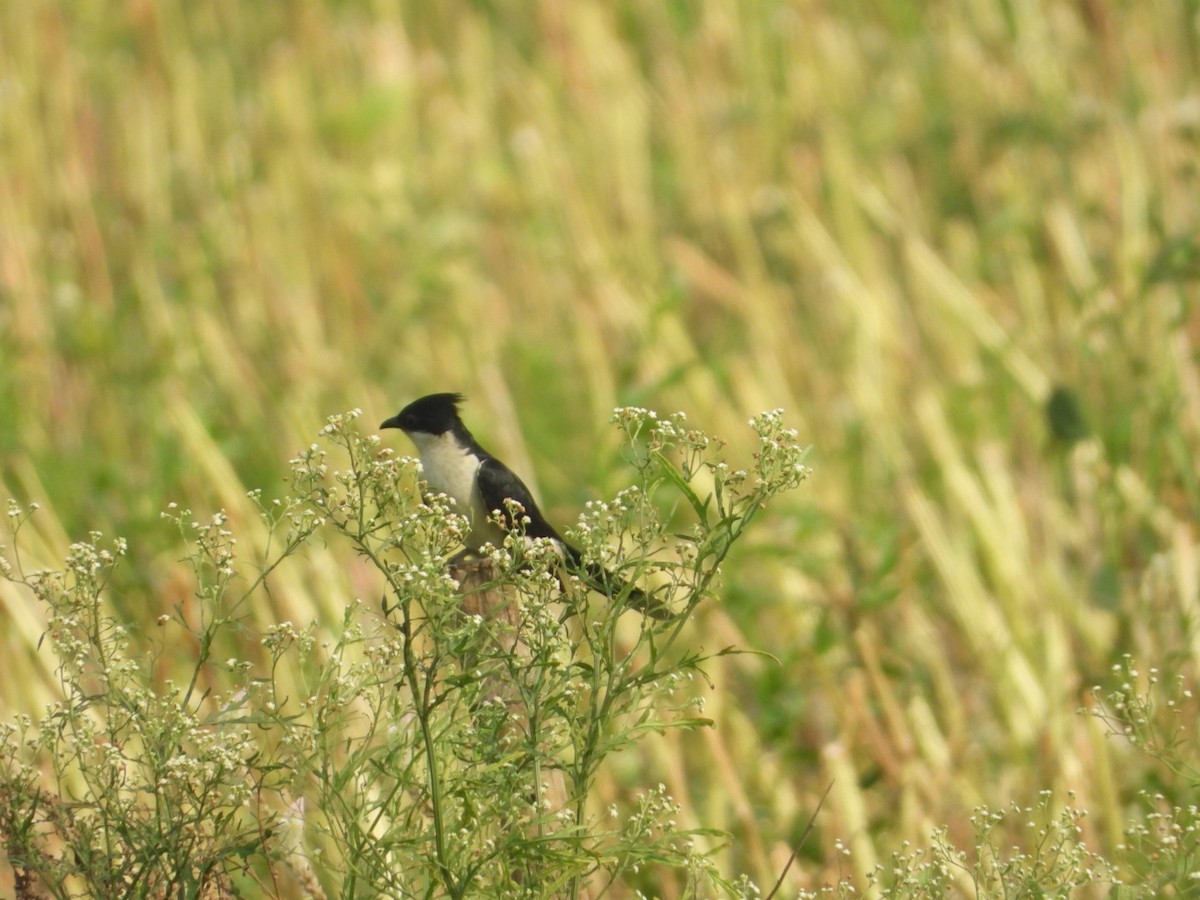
x=453 y=463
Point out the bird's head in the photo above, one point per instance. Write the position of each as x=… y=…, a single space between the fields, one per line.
x=432 y=414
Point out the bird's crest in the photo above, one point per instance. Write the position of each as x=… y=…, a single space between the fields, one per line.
x=431 y=414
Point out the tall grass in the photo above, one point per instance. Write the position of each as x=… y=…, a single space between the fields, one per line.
x=905 y=223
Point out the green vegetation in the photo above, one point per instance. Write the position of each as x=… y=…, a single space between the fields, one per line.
x=956 y=243
x=450 y=747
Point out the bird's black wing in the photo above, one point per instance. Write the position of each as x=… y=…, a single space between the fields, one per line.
x=497 y=483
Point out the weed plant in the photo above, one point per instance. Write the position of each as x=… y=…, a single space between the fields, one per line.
x=415 y=753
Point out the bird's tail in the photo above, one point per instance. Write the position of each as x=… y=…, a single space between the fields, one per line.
x=605 y=582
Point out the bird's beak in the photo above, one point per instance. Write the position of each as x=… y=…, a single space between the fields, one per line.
x=393 y=422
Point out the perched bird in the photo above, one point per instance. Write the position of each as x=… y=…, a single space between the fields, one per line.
x=456 y=465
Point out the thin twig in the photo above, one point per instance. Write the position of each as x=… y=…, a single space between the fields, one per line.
x=812 y=820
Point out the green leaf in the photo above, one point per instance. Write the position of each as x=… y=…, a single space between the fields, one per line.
x=676 y=478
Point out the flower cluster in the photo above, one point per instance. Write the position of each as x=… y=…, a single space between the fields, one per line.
x=779 y=460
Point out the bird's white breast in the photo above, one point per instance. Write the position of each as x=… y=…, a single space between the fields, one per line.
x=450 y=469
x=447 y=467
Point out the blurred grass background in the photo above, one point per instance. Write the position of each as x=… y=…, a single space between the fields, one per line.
x=957 y=242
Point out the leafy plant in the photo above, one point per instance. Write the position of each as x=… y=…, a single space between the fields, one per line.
x=446 y=744
x=1156 y=711
x=126 y=787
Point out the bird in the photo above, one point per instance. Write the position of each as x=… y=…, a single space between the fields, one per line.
x=455 y=464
